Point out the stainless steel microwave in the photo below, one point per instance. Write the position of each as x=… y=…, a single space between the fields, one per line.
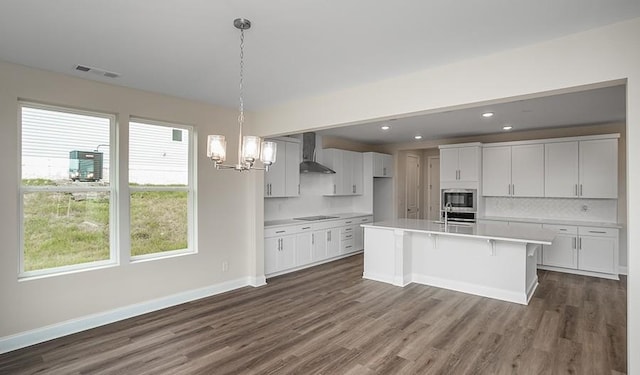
x=460 y=200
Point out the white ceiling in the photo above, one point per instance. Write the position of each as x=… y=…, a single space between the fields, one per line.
x=595 y=106
x=295 y=48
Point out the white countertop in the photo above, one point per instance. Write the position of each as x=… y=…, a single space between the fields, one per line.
x=292 y=221
x=492 y=231
x=553 y=221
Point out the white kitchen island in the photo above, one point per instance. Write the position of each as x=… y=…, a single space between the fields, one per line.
x=490 y=260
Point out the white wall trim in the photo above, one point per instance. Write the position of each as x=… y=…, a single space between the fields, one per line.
x=32 y=337
x=256 y=281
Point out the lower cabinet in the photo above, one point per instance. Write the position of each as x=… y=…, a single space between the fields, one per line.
x=589 y=249
x=296 y=246
x=564 y=250
x=279 y=253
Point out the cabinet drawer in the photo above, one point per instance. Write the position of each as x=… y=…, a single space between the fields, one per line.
x=562 y=229
x=598 y=231
x=346 y=246
x=346 y=230
x=363 y=220
x=347 y=236
x=284 y=231
x=346 y=222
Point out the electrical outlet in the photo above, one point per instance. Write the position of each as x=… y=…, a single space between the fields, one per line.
x=225 y=266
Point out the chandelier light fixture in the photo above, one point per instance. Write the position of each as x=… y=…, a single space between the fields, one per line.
x=250 y=148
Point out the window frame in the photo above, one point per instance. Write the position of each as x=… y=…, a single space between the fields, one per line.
x=114 y=258
x=192 y=244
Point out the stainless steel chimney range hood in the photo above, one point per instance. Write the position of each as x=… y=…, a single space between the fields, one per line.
x=309 y=164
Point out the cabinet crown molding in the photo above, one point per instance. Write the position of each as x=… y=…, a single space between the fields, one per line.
x=553 y=140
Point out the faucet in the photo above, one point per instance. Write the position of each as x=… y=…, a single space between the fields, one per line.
x=447 y=209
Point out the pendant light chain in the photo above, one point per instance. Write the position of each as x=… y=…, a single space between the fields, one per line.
x=241 y=100
x=241 y=116
x=250 y=148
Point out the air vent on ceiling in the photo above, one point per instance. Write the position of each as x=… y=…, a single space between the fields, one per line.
x=98 y=71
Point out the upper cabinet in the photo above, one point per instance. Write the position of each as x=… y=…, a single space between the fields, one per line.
x=283 y=177
x=582 y=169
x=514 y=171
x=460 y=163
x=348 y=165
x=382 y=165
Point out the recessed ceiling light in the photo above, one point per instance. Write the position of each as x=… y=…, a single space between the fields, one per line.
x=385 y=127
x=487 y=114
x=507 y=127
x=418 y=137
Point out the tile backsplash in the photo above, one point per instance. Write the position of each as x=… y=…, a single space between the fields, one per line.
x=600 y=210
x=310 y=202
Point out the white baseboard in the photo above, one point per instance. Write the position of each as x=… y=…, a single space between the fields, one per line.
x=257 y=281
x=609 y=276
x=24 y=339
x=376 y=277
x=501 y=294
x=623 y=270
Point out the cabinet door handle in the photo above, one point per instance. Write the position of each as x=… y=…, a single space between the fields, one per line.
x=384 y=171
x=597 y=231
x=573 y=246
x=306 y=228
x=348 y=222
x=576 y=189
x=579 y=243
x=334 y=188
x=509 y=189
x=298 y=189
x=313 y=239
x=329 y=233
x=513 y=189
x=280 y=231
x=580 y=189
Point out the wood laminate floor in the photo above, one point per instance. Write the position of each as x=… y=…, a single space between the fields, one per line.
x=329 y=320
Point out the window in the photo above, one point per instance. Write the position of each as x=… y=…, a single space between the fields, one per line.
x=66 y=195
x=161 y=185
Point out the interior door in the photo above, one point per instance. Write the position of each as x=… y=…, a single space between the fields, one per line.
x=412 y=188
x=433 y=189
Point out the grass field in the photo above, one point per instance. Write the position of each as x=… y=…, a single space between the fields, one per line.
x=63 y=229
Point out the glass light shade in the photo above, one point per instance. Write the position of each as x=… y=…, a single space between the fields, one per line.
x=217 y=148
x=250 y=148
x=269 y=150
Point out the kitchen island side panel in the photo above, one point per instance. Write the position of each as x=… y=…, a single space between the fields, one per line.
x=379 y=262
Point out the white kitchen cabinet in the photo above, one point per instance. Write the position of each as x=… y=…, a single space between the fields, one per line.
x=460 y=164
x=496 y=171
x=283 y=177
x=585 y=249
x=348 y=165
x=598 y=249
x=358 y=238
x=279 y=253
x=563 y=252
x=599 y=168
x=582 y=169
x=347 y=239
x=303 y=247
x=319 y=239
x=515 y=171
x=333 y=242
x=325 y=244
x=382 y=165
